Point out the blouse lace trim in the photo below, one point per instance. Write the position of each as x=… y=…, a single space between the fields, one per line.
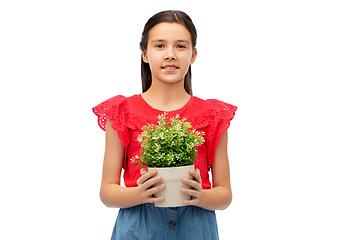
x=213 y=121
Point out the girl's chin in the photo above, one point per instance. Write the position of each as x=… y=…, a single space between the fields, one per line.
x=170 y=80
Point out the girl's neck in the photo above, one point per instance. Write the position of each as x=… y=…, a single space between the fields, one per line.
x=166 y=97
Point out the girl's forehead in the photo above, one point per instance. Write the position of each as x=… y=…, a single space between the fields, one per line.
x=169 y=31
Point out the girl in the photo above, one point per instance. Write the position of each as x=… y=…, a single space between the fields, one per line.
x=168 y=50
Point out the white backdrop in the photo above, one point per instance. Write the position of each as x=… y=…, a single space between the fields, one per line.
x=285 y=64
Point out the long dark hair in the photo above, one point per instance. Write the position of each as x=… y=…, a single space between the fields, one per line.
x=170 y=16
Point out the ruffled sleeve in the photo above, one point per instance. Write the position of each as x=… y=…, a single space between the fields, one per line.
x=219 y=115
x=115 y=109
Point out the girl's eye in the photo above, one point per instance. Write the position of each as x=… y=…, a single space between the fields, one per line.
x=181 y=46
x=159 y=46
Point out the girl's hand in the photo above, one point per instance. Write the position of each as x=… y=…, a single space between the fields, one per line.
x=196 y=185
x=145 y=182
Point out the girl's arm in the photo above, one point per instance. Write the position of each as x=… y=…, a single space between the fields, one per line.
x=114 y=195
x=111 y=193
x=220 y=196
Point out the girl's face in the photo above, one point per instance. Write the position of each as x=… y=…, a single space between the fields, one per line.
x=169 y=52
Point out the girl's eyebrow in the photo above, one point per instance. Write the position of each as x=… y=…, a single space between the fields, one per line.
x=183 y=41
x=158 y=40
x=178 y=41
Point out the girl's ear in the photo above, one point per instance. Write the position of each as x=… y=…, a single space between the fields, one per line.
x=194 y=55
x=145 y=56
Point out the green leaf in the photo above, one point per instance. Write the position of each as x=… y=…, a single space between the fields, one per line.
x=171 y=143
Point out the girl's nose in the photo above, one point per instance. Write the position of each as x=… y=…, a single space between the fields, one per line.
x=170 y=55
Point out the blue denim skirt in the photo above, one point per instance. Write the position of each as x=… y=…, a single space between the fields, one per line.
x=147 y=221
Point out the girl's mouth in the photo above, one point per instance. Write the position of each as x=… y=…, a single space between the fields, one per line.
x=169 y=67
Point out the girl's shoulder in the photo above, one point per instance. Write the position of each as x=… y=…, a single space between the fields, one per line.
x=117 y=103
x=215 y=108
x=112 y=108
x=213 y=114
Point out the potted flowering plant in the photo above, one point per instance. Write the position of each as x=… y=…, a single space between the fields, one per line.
x=170 y=147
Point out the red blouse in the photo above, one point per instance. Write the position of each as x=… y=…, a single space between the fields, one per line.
x=129 y=114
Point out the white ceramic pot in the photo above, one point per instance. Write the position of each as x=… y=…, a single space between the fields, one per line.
x=172 y=177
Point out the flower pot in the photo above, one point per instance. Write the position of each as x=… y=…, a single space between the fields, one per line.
x=172 y=178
